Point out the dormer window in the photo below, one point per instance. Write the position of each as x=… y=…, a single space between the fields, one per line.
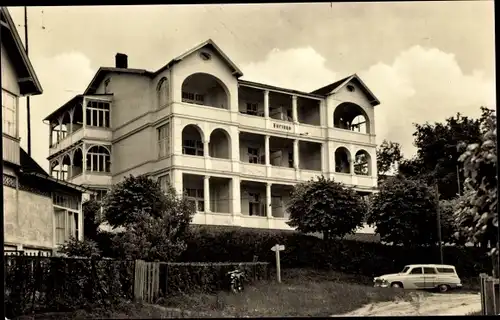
x=205 y=56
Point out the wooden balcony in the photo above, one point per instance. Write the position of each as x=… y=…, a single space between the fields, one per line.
x=11 y=149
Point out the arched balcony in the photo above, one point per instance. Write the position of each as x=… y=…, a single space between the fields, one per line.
x=205 y=89
x=350 y=116
x=220 y=144
x=192 y=141
x=362 y=163
x=342 y=160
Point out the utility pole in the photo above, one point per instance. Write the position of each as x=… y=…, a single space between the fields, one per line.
x=439 y=225
x=28 y=109
x=498 y=193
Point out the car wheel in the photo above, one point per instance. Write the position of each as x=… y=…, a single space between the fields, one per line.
x=443 y=288
x=396 y=285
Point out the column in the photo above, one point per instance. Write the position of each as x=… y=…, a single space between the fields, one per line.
x=80 y=220
x=71 y=115
x=84 y=124
x=176 y=181
x=59 y=131
x=206 y=146
x=323 y=160
x=351 y=163
x=206 y=193
x=84 y=160
x=266 y=147
x=266 y=103
x=235 y=196
x=294 y=109
x=51 y=127
x=269 y=208
x=296 y=154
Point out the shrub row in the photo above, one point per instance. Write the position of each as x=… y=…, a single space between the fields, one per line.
x=64 y=284
x=178 y=278
x=225 y=244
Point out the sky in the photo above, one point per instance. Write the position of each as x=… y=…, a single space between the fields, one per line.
x=425 y=61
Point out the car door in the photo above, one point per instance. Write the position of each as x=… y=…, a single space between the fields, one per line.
x=415 y=279
x=430 y=277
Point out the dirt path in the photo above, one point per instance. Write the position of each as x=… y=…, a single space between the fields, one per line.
x=423 y=304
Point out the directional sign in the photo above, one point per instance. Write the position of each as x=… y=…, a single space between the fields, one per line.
x=279 y=247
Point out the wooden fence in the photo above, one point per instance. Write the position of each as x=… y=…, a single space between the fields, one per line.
x=490 y=295
x=147 y=281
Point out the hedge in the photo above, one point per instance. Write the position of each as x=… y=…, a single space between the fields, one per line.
x=46 y=284
x=181 y=278
x=228 y=244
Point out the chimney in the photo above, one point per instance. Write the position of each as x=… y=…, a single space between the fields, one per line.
x=121 y=61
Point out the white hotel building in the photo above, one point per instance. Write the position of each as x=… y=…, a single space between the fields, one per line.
x=233 y=146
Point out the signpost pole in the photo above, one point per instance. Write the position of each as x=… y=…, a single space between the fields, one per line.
x=277 y=248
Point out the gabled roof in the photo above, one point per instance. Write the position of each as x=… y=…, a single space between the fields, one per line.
x=29 y=167
x=104 y=71
x=211 y=44
x=336 y=86
x=28 y=81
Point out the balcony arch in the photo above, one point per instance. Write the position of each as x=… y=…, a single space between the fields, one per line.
x=205 y=89
x=55 y=168
x=98 y=159
x=350 y=116
x=162 y=92
x=59 y=132
x=77 y=167
x=192 y=140
x=362 y=163
x=220 y=144
x=342 y=160
x=66 y=163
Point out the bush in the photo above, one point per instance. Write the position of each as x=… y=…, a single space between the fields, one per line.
x=206 y=277
x=226 y=244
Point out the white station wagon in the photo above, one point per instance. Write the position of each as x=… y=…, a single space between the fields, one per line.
x=422 y=276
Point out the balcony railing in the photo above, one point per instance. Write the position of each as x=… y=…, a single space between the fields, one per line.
x=10 y=149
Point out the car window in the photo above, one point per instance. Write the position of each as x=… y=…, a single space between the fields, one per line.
x=416 y=270
x=445 y=270
x=429 y=270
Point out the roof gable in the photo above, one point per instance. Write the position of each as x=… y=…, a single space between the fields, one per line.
x=28 y=81
x=211 y=44
x=338 y=85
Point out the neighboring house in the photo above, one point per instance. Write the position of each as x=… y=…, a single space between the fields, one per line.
x=234 y=147
x=40 y=212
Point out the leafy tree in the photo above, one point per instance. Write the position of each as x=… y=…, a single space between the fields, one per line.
x=437 y=154
x=86 y=248
x=132 y=199
x=388 y=156
x=91 y=218
x=153 y=232
x=404 y=212
x=326 y=206
x=449 y=226
x=477 y=213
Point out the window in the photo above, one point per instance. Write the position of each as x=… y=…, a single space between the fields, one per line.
x=196 y=196
x=193 y=97
x=428 y=270
x=192 y=147
x=253 y=155
x=446 y=270
x=252 y=108
x=66 y=201
x=9 y=113
x=164 y=182
x=99 y=196
x=106 y=85
x=163 y=92
x=98 y=159
x=97 y=113
x=164 y=140
x=254 y=205
x=66 y=225
x=416 y=271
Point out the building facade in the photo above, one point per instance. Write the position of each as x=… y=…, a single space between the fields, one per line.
x=234 y=147
x=40 y=212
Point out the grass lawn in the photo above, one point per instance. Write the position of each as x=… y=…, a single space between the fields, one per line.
x=301 y=293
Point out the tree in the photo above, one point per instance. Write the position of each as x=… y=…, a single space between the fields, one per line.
x=437 y=153
x=153 y=231
x=449 y=226
x=477 y=214
x=76 y=248
x=404 y=212
x=388 y=157
x=91 y=218
x=132 y=199
x=326 y=206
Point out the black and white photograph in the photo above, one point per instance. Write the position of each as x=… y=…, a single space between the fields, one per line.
x=209 y=160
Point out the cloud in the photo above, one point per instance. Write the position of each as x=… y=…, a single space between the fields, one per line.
x=420 y=85
x=62 y=77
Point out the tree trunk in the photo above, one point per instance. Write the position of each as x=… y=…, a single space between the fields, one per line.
x=326 y=235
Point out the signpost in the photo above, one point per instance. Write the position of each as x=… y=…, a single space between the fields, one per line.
x=277 y=248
